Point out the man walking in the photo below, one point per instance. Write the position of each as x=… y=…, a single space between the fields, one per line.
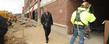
x=46 y=21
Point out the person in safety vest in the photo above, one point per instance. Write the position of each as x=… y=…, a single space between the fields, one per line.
x=81 y=19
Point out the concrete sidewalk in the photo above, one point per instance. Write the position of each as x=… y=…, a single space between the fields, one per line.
x=58 y=35
x=95 y=38
x=36 y=36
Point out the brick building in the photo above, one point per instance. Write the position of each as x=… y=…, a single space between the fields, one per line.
x=61 y=10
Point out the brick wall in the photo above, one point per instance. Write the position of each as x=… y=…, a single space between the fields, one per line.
x=58 y=11
x=71 y=5
x=62 y=10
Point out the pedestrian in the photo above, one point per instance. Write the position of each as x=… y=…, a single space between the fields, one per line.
x=3 y=29
x=80 y=20
x=46 y=21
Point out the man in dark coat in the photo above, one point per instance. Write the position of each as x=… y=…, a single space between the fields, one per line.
x=46 y=21
x=3 y=29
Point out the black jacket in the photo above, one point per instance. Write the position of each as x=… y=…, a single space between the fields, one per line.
x=3 y=22
x=3 y=26
x=46 y=19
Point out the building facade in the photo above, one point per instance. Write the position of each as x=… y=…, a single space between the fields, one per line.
x=61 y=10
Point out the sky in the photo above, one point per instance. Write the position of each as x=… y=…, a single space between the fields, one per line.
x=14 y=6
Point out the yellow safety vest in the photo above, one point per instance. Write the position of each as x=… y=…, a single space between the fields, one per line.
x=85 y=16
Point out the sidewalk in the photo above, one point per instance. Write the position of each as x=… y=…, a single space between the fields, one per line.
x=58 y=35
x=36 y=36
x=95 y=38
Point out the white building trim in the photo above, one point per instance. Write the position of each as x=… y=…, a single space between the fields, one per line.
x=65 y=26
x=43 y=3
x=35 y=7
x=46 y=2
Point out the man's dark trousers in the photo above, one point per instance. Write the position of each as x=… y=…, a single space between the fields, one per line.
x=47 y=30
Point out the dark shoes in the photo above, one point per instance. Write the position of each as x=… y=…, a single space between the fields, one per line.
x=87 y=36
x=47 y=40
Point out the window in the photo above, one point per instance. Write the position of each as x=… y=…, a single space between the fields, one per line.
x=35 y=15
